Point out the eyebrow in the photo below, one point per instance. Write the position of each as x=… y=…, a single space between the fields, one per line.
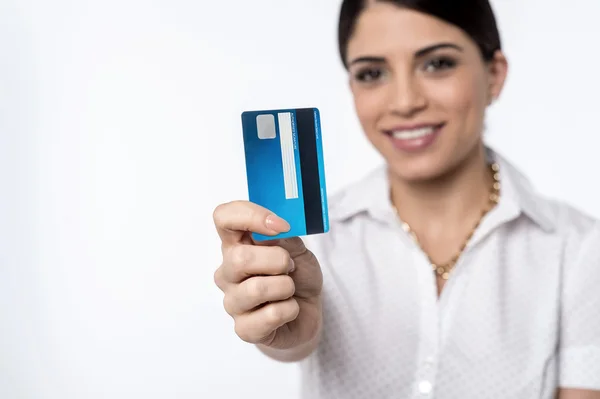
x=420 y=53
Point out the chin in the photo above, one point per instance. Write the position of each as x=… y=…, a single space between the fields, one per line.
x=416 y=170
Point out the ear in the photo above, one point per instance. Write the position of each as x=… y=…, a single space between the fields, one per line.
x=497 y=72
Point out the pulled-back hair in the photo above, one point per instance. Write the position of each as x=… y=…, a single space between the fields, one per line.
x=475 y=17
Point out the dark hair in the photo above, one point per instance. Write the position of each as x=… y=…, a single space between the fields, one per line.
x=475 y=17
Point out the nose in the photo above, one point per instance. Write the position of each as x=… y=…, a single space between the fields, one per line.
x=406 y=97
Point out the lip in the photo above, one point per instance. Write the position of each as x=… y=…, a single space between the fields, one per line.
x=413 y=127
x=415 y=145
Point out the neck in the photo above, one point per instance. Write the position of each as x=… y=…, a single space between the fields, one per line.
x=447 y=201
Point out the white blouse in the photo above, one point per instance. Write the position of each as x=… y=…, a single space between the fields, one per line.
x=519 y=316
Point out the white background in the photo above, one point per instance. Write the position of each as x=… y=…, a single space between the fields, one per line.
x=120 y=132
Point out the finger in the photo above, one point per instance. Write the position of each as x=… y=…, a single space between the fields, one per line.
x=232 y=220
x=256 y=327
x=256 y=291
x=293 y=245
x=219 y=279
x=243 y=261
x=308 y=277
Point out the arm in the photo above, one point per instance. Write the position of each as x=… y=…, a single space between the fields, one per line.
x=579 y=345
x=568 y=393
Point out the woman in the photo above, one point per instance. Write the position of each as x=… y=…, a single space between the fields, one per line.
x=444 y=274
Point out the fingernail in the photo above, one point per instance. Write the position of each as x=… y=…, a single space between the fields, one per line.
x=292 y=265
x=277 y=224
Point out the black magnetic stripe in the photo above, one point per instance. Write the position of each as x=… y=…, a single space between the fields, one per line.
x=309 y=165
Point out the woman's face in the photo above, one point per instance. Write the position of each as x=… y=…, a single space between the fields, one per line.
x=420 y=89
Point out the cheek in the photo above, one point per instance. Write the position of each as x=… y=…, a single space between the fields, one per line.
x=369 y=105
x=462 y=98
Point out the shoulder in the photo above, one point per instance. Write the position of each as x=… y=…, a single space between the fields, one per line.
x=555 y=217
x=574 y=235
x=568 y=221
x=581 y=232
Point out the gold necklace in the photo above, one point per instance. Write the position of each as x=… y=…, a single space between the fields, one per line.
x=444 y=270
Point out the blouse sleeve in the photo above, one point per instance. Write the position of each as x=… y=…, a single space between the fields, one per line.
x=579 y=348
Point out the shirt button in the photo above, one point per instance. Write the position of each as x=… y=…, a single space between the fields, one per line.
x=425 y=387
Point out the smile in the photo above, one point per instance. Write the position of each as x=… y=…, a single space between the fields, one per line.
x=414 y=138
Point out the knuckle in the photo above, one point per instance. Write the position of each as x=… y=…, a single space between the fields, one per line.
x=223 y=212
x=228 y=305
x=283 y=258
x=218 y=278
x=255 y=214
x=252 y=216
x=242 y=332
x=257 y=289
x=275 y=314
x=294 y=308
x=239 y=257
x=288 y=286
x=218 y=214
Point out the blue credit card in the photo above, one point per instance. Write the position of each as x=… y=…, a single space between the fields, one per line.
x=285 y=168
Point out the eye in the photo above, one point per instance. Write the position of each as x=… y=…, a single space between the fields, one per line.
x=440 y=64
x=369 y=74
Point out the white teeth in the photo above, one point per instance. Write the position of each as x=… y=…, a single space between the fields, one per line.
x=413 y=134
